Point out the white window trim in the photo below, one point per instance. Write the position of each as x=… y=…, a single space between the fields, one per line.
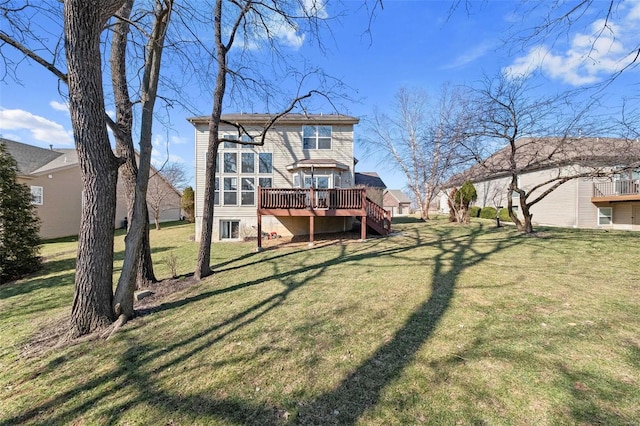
x=227 y=222
x=317 y=137
x=610 y=216
x=37 y=199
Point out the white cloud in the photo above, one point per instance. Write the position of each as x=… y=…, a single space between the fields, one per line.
x=11 y=137
x=281 y=30
x=161 y=153
x=178 y=140
x=41 y=128
x=590 y=56
x=471 y=55
x=59 y=106
x=317 y=8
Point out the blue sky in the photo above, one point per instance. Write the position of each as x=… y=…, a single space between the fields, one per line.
x=410 y=44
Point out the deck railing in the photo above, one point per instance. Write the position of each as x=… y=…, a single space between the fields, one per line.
x=379 y=216
x=618 y=187
x=310 y=198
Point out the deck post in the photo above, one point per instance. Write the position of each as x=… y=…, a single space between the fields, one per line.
x=259 y=248
x=311 y=230
x=363 y=229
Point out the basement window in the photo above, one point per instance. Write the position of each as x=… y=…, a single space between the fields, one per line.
x=229 y=229
x=605 y=216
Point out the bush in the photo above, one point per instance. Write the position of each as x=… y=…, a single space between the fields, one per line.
x=188 y=203
x=19 y=223
x=488 y=213
x=474 y=211
x=504 y=215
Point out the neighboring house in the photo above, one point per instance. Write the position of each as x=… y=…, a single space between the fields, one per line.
x=301 y=181
x=587 y=202
x=374 y=185
x=53 y=175
x=398 y=202
x=163 y=200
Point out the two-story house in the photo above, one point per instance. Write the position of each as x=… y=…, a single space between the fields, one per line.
x=301 y=181
x=611 y=201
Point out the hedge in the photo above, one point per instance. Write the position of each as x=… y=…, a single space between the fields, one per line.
x=504 y=215
x=488 y=213
x=474 y=211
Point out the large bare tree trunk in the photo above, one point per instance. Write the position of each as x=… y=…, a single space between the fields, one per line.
x=203 y=266
x=83 y=23
x=123 y=299
x=124 y=136
x=146 y=274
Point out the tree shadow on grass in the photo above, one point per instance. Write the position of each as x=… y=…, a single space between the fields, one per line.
x=345 y=404
x=362 y=389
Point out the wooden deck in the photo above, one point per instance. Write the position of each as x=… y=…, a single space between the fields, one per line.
x=620 y=190
x=313 y=203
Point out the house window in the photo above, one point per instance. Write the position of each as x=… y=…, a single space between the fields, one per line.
x=229 y=229
x=233 y=145
x=247 y=163
x=230 y=191
x=216 y=194
x=265 y=162
x=265 y=182
x=37 y=195
x=316 y=137
x=318 y=182
x=337 y=180
x=230 y=162
x=605 y=216
x=248 y=192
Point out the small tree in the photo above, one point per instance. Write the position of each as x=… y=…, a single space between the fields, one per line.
x=161 y=192
x=459 y=202
x=19 y=223
x=187 y=203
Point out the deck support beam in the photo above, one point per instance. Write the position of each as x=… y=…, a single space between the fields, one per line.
x=311 y=229
x=259 y=248
x=363 y=228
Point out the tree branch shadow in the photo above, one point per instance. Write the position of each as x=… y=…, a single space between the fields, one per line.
x=350 y=399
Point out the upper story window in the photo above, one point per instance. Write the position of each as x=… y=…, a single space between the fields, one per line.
x=37 y=195
x=233 y=145
x=265 y=162
x=316 y=137
x=230 y=162
x=248 y=162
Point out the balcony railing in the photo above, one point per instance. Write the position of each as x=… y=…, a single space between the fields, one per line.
x=310 y=198
x=618 y=187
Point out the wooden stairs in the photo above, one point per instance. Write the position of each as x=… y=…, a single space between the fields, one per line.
x=378 y=219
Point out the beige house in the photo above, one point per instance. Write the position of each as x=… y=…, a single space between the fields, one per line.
x=53 y=175
x=301 y=181
x=611 y=202
x=397 y=202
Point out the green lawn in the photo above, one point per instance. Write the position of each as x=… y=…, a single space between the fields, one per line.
x=440 y=324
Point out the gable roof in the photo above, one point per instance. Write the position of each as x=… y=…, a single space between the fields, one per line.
x=28 y=157
x=398 y=195
x=370 y=179
x=261 y=119
x=534 y=154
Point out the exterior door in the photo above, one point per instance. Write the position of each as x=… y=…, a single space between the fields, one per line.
x=636 y=217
